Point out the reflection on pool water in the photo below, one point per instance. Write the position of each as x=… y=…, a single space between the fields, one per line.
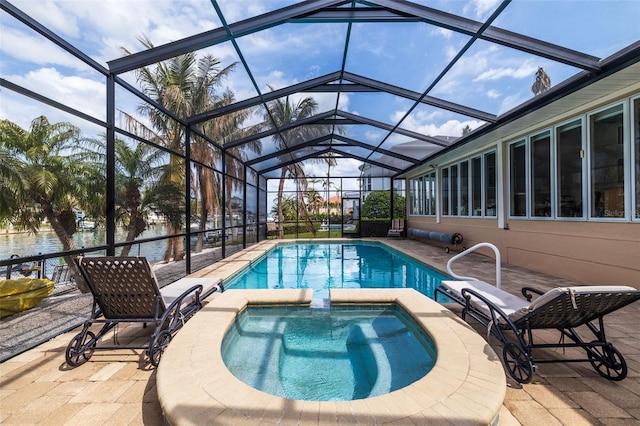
x=326 y=265
x=337 y=354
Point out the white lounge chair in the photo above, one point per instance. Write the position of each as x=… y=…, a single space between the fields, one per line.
x=397 y=228
x=562 y=308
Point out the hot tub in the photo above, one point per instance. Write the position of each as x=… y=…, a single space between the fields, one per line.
x=327 y=354
x=466 y=384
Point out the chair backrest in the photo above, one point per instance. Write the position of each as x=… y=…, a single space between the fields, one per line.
x=397 y=224
x=569 y=307
x=123 y=287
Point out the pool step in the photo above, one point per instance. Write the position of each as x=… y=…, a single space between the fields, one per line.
x=320 y=303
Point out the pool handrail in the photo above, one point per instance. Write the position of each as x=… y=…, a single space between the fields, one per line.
x=472 y=249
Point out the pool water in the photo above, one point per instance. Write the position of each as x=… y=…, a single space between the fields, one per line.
x=337 y=354
x=322 y=266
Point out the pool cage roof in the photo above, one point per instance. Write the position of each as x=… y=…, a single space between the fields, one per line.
x=395 y=81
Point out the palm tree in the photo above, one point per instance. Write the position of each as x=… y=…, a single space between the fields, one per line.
x=137 y=167
x=289 y=208
x=282 y=112
x=314 y=200
x=222 y=129
x=51 y=183
x=185 y=86
x=10 y=186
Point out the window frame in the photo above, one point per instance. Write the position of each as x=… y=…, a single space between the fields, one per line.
x=524 y=144
x=532 y=186
x=626 y=190
x=486 y=183
x=446 y=179
x=580 y=121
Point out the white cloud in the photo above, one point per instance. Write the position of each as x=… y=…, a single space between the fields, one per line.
x=512 y=101
x=420 y=115
x=344 y=167
x=527 y=69
x=424 y=124
x=101 y=28
x=314 y=71
x=52 y=14
x=373 y=136
x=88 y=96
x=484 y=74
x=343 y=102
x=442 y=32
x=481 y=8
x=239 y=10
x=35 y=50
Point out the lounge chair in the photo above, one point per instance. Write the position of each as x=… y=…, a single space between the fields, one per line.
x=397 y=228
x=125 y=290
x=512 y=319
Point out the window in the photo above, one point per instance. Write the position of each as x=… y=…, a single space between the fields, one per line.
x=454 y=190
x=463 y=184
x=464 y=188
x=490 y=192
x=445 y=191
x=476 y=186
x=415 y=196
x=518 y=187
x=430 y=189
x=606 y=136
x=569 y=158
x=541 y=174
x=419 y=196
x=422 y=195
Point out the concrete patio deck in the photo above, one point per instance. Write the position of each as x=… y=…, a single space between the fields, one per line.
x=118 y=387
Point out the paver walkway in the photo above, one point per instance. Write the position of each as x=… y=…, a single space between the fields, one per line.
x=118 y=387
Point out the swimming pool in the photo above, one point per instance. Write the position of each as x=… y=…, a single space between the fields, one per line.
x=322 y=266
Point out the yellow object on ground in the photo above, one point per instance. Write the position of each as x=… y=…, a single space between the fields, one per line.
x=23 y=293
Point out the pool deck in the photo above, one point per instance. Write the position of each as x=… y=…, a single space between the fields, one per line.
x=119 y=387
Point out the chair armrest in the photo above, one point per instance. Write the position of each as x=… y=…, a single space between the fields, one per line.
x=498 y=316
x=527 y=290
x=196 y=290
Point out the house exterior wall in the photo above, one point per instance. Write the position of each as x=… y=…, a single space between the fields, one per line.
x=586 y=252
x=589 y=250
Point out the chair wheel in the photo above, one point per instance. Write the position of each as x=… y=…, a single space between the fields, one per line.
x=80 y=349
x=158 y=345
x=517 y=362
x=607 y=361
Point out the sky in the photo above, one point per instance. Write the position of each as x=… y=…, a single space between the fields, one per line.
x=487 y=77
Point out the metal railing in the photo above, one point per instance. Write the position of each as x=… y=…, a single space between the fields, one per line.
x=470 y=250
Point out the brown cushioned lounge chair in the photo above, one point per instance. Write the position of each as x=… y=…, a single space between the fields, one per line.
x=125 y=290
